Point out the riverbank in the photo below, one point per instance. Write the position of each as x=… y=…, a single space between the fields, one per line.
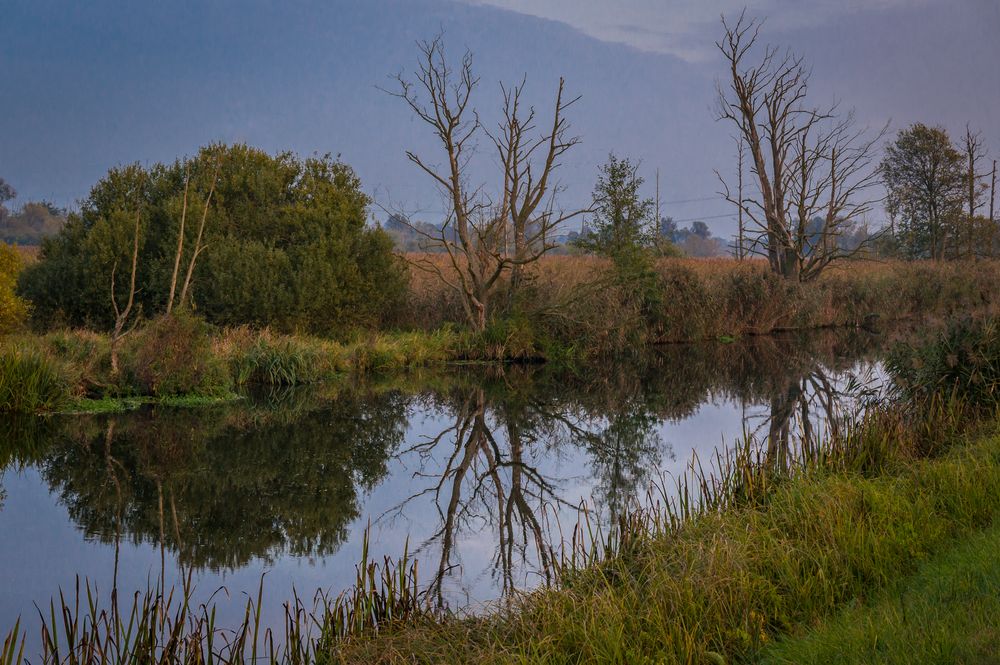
x=945 y=613
x=575 y=318
x=723 y=586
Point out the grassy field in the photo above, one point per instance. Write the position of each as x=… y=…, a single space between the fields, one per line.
x=946 y=613
x=578 y=299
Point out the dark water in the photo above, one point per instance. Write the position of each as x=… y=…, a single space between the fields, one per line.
x=479 y=472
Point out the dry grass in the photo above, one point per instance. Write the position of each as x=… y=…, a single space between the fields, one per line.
x=577 y=299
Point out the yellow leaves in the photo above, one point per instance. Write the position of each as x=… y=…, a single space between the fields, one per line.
x=13 y=310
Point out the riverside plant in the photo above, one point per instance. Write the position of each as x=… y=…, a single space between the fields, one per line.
x=30 y=382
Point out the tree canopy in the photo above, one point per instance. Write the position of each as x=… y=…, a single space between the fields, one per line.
x=925 y=184
x=286 y=243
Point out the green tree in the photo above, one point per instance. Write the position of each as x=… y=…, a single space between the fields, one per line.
x=622 y=223
x=925 y=184
x=13 y=310
x=286 y=243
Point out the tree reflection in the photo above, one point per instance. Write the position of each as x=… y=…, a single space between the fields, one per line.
x=230 y=494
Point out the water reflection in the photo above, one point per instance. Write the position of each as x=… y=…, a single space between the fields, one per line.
x=486 y=468
x=220 y=487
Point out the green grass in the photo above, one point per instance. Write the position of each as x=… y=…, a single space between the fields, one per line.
x=949 y=612
x=31 y=382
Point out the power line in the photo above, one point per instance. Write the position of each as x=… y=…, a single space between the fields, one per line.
x=704 y=198
x=701 y=219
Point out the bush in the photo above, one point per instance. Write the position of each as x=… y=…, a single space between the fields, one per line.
x=287 y=245
x=172 y=355
x=13 y=310
x=31 y=382
x=962 y=362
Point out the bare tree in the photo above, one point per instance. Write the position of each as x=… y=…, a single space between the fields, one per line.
x=993 y=198
x=180 y=239
x=475 y=235
x=198 y=246
x=528 y=200
x=975 y=152
x=122 y=315
x=813 y=167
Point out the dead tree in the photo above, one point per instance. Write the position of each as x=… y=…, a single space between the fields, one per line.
x=813 y=167
x=528 y=199
x=198 y=246
x=476 y=233
x=122 y=315
x=975 y=152
x=993 y=198
x=180 y=239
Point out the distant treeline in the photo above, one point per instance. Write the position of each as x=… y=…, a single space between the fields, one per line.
x=31 y=223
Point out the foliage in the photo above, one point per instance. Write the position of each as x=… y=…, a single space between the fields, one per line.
x=13 y=310
x=622 y=223
x=962 y=362
x=286 y=244
x=30 y=382
x=172 y=355
x=33 y=222
x=925 y=182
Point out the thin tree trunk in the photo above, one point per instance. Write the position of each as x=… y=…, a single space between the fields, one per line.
x=180 y=240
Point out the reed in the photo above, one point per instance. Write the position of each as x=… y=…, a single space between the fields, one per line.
x=31 y=382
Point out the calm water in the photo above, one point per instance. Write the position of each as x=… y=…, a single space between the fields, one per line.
x=478 y=472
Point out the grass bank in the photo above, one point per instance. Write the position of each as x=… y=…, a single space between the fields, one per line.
x=945 y=613
x=722 y=586
x=573 y=311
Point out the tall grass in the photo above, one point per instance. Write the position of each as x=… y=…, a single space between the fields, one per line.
x=30 y=382
x=580 y=301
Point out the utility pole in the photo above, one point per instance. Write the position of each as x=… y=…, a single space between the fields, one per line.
x=993 y=224
x=659 y=230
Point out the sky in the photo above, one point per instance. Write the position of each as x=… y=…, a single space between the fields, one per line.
x=87 y=86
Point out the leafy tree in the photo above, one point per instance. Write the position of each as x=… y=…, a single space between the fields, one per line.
x=6 y=194
x=290 y=483
x=622 y=222
x=925 y=183
x=286 y=243
x=13 y=310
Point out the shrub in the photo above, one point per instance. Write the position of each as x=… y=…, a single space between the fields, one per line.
x=962 y=362
x=13 y=310
x=172 y=355
x=31 y=382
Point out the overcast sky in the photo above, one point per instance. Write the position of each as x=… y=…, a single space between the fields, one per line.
x=87 y=86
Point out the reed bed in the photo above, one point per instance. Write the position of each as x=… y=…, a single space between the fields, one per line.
x=31 y=382
x=577 y=299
